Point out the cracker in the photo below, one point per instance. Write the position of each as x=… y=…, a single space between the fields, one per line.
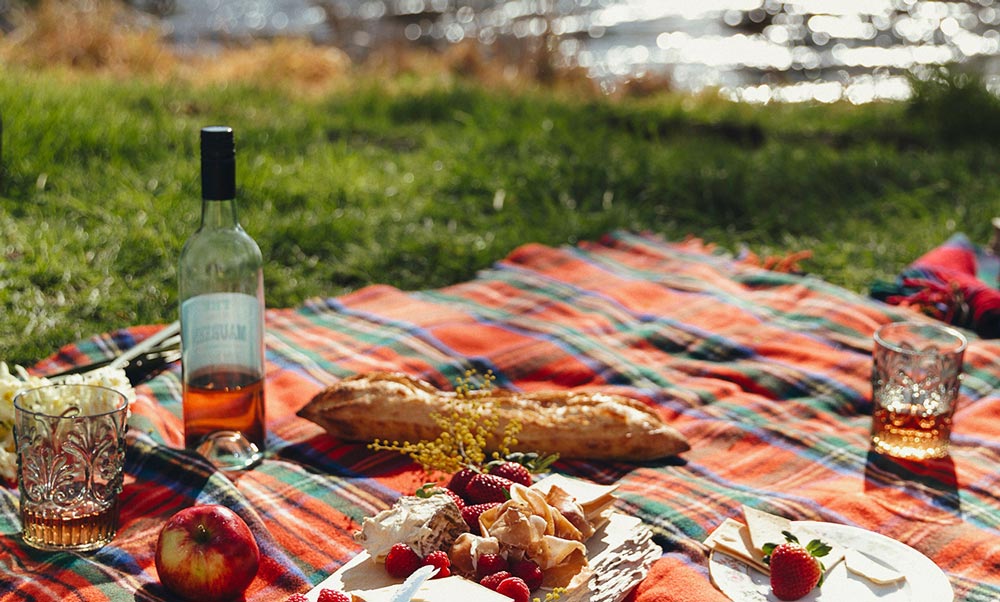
x=765 y=528
x=861 y=564
x=732 y=537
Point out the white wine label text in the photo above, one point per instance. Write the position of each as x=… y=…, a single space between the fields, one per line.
x=221 y=329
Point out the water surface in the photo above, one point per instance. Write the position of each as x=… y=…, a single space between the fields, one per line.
x=752 y=50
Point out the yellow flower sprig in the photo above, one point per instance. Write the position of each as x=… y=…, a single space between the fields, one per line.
x=552 y=595
x=467 y=425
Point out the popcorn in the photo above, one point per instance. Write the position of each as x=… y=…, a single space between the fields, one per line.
x=12 y=383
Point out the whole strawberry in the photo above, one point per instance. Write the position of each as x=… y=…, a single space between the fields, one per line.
x=460 y=480
x=795 y=569
x=512 y=471
x=485 y=488
x=401 y=561
x=471 y=515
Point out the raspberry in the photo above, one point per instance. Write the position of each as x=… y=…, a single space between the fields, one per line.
x=516 y=588
x=401 y=561
x=528 y=571
x=332 y=595
x=440 y=560
x=485 y=488
x=297 y=598
x=487 y=564
x=494 y=580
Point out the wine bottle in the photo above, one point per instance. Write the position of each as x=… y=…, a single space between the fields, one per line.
x=221 y=290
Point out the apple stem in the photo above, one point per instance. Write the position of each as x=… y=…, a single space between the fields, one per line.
x=202 y=535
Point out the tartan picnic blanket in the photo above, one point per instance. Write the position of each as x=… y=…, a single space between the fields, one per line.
x=766 y=374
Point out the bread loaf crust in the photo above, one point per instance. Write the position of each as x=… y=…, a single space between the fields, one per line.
x=586 y=425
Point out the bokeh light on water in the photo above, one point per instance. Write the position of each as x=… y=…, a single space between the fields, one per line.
x=752 y=50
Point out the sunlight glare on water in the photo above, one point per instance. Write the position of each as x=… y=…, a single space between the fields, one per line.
x=749 y=50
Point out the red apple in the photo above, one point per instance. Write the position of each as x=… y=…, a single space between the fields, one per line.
x=206 y=553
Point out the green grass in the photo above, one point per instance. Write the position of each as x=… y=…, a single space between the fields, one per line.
x=402 y=184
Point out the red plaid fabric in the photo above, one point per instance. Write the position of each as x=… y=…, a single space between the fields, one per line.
x=767 y=374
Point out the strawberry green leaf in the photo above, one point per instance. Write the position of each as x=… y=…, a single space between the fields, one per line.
x=767 y=549
x=790 y=537
x=817 y=548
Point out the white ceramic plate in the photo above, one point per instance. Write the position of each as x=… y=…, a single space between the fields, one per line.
x=925 y=581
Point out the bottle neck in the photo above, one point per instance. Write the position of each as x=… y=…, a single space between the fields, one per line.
x=219 y=214
x=218 y=191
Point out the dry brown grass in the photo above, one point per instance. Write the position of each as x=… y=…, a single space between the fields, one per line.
x=90 y=36
x=284 y=62
x=109 y=38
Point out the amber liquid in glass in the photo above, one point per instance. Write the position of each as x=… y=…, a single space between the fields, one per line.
x=56 y=529
x=911 y=433
x=223 y=400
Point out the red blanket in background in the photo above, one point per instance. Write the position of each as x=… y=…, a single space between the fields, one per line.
x=766 y=374
x=956 y=283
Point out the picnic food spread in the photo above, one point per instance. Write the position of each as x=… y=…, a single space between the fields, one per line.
x=765 y=375
x=550 y=538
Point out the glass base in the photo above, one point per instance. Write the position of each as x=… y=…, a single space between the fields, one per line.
x=64 y=531
x=909 y=452
x=230 y=451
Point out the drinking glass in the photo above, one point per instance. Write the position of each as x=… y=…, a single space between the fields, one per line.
x=915 y=381
x=70 y=441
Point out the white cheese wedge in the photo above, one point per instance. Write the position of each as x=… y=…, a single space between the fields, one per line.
x=765 y=528
x=426 y=524
x=732 y=537
x=448 y=589
x=836 y=553
x=862 y=565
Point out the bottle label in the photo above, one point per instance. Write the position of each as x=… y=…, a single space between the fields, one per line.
x=221 y=329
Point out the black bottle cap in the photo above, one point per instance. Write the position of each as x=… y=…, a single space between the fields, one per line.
x=218 y=163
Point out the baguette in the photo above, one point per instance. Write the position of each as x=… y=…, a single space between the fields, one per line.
x=587 y=425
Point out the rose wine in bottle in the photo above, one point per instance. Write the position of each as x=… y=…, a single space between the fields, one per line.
x=221 y=290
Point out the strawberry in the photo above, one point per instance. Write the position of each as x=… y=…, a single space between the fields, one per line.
x=297 y=598
x=332 y=595
x=471 y=515
x=488 y=488
x=439 y=559
x=516 y=588
x=512 y=471
x=401 y=561
x=529 y=572
x=487 y=564
x=460 y=480
x=795 y=570
x=430 y=489
x=494 y=580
